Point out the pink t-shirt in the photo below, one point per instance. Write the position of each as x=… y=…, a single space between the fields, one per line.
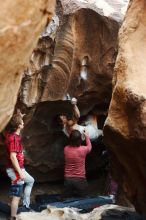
x=75 y=159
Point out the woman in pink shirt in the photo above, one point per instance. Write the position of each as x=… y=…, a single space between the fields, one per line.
x=75 y=173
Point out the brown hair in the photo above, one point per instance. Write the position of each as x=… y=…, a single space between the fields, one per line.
x=15 y=121
x=75 y=138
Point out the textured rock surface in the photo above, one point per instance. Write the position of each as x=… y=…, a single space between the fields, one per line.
x=105 y=212
x=112 y=9
x=56 y=64
x=20 y=25
x=125 y=128
x=36 y=73
x=77 y=34
x=83 y=30
x=93 y=82
x=44 y=142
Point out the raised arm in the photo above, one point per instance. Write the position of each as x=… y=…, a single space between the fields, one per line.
x=75 y=107
x=76 y=111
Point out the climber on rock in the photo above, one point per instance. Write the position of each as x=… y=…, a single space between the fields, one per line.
x=68 y=122
x=90 y=124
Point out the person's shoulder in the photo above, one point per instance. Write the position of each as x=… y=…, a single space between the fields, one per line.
x=9 y=136
x=66 y=147
x=83 y=147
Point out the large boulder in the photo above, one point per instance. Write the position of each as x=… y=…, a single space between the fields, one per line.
x=20 y=25
x=125 y=127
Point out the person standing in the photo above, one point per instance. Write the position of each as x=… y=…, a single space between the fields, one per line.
x=74 y=172
x=15 y=166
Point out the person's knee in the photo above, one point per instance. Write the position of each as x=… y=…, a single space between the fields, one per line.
x=33 y=180
x=30 y=181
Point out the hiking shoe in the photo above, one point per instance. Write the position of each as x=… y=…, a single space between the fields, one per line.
x=113 y=198
x=11 y=218
x=25 y=209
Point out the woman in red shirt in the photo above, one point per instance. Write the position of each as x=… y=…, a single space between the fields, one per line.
x=75 y=173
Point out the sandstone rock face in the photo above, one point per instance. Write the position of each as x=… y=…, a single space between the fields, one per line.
x=68 y=75
x=91 y=76
x=125 y=127
x=20 y=25
x=59 y=73
x=83 y=53
x=56 y=68
x=113 y=9
x=37 y=70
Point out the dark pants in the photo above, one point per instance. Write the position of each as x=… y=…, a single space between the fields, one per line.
x=75 y=187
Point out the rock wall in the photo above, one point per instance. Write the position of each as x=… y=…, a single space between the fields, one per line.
x=125 y=127
x=20 y=25
x=84 y=41
x=48 y=80
x=44 y=143
x=59 y=73
x=95 y=39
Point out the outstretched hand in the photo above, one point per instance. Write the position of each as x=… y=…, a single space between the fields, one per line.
x=74 y=101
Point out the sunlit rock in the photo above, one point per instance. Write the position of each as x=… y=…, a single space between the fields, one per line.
x=125 y=127
x=56 y=67
x=104 y=212
x=113 y=9
x=20 y=25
